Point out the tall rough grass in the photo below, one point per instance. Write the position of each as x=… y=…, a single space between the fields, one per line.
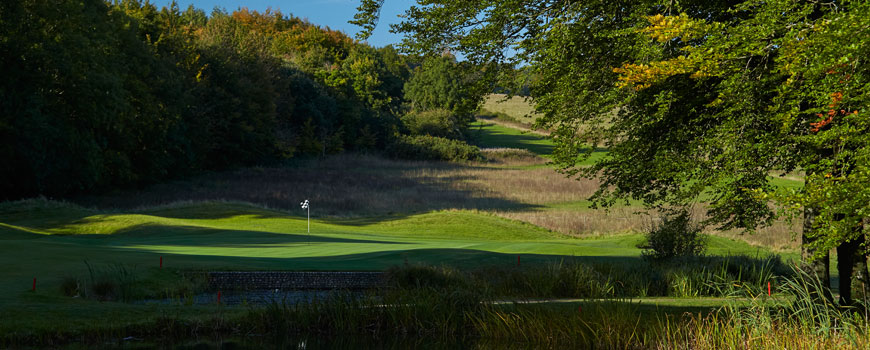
x=690 y=277
x=112 y=282
x=807 y=322
x=434 y=312
x=441 y=306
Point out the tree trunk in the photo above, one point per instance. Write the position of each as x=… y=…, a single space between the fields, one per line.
x=852 y=266
x=820 y=268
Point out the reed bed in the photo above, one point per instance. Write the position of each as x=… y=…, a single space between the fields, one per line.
x=435 y=311
x=730 y=276
x=434 y=306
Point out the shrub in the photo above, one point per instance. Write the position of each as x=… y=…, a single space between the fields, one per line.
x=103 y=289
x=436 y=122
x=426 y=147
x=70 y=286
x=116 y=282
x=675 y=236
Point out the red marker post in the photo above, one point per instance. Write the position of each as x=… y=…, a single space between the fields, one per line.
x=161 y=262
x=518 y=260
x=768 y=288
x=219 y=297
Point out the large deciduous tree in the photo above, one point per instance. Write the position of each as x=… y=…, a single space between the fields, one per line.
x=690 y=98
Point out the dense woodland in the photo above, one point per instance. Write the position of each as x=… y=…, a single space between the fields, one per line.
x=100 y=95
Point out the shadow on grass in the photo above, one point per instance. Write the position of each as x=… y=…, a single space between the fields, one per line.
x=14 y=232
x=192 y=236
x=383 y=259
x=485 y=135
x=490 y=135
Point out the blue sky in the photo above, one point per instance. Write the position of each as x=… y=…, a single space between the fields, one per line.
x=331 y=13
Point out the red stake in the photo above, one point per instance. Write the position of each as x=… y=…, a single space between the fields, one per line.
x=579 y=308
x=768 y=288
x=161 y=262
x=34 y=284
x=518 y=260
x=219 y=297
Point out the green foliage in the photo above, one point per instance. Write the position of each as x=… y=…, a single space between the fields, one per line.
x=442 y=83
x=100 y=95
x=425 y=147
x=676 y=236
x=436 y=122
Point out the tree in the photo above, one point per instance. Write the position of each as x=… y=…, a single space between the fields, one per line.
x=690 y=97
x=440 y=83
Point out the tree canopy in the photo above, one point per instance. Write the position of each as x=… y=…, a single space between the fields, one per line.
x=103 y=94
x=695 y=100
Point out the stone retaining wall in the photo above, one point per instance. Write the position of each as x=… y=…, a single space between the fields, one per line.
x=262 y=280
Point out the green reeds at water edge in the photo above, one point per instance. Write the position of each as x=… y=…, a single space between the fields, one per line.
x=513 y=307
x=690 y=277
x=795 y=320
x=808 y=320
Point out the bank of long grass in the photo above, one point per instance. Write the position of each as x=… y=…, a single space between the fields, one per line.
x=712 y=276
x=433 y=313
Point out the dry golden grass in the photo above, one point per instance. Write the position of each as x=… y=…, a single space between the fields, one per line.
x=354 y=185
x=584 y=222
x=512 y=157
x=779 y=237
x=516 y=107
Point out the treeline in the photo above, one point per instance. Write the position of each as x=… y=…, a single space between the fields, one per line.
x=99 y=95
